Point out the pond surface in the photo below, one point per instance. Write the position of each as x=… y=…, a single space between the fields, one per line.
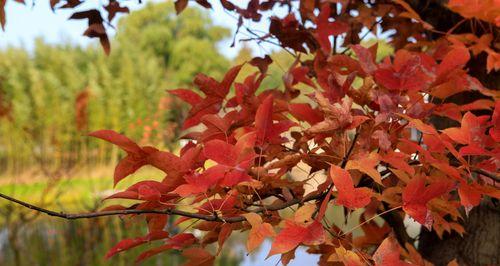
x=51 y=241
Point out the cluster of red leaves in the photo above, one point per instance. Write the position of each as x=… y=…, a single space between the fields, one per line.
x=363 y=125
x=349 y=118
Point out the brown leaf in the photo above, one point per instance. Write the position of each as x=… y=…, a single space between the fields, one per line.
x=180 y=5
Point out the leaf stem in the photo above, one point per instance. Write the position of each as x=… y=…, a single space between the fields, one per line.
x=375 y=216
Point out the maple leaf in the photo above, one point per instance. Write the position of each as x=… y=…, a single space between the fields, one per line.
x=469 y=196
x=367 y=165
x=337 y=116
x=233 y=160
x=180 y=5
x=129 y=243
x=119 y=140
x=296 y=75
x=457 y=57
x=96 y=28
x=495 y=121
x=399 y=161
x=471 y=133
x=197 y=183
x=267 y=131
x=217 y=127
x=304 y=112
x=245 y=92
x=366 y=58
x=177 y=242
x=258 y=232
x=138 y=156
x=348 y=195
x=291 y=34
x=493 y=61
x=420 y=125
x=294 y=234
x=144 y=190
x=409 y=72
x=214 y=91
x=346 y=257
x=224 y=233
x=383 y=139
x=68 y=4
x=135 y=158
x=325 y=28
x=412 y=14
x=187 y=95
x=416 y=196
x=262 y=63
x=305 y=213
x=388 y=253
x=114 y=7
x=487 y=10
x=198 y=257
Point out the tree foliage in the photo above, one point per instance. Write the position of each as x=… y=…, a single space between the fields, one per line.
x=360 y=129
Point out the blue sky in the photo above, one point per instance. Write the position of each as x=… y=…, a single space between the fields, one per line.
x=25 y=23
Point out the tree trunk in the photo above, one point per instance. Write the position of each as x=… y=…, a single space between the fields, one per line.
x=479 y=245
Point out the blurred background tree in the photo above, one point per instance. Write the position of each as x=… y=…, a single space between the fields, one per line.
x=154 y=50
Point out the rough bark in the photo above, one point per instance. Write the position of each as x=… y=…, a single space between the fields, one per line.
x=479 y=245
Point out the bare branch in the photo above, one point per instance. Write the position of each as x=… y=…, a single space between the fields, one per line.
x=206 y=217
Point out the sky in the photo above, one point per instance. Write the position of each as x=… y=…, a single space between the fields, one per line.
x=27 y=22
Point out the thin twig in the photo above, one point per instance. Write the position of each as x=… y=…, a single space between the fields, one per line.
x=346 y=157
x=367 y=221
x=214 y=218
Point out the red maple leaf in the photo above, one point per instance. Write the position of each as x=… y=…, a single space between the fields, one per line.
x=409 y=72
x=267 y=130
x=177 y=242
x=138 y=157
x=416 y=196
x=348 y=195
x=214 y=91
x=388 y=254
x=294 y=234
x=325 y=28
x=472 y=134
x=129 y=243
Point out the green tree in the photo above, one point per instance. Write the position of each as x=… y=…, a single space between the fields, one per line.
x=186 y=43
x=152 y=52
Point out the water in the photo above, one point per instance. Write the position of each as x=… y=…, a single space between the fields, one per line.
x=51 y=241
